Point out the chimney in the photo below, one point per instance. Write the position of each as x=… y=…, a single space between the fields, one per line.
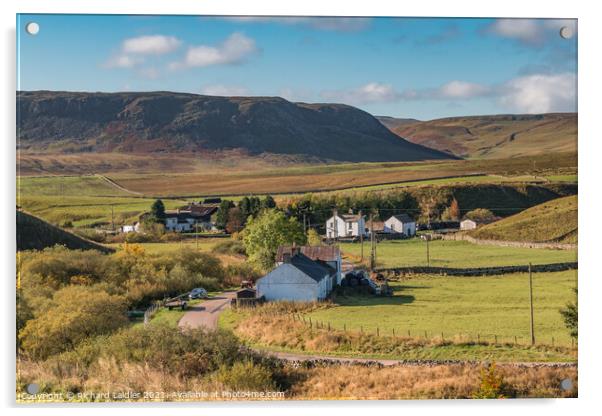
x=351 y=211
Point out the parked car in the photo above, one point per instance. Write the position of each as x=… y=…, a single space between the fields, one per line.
x=197 y=293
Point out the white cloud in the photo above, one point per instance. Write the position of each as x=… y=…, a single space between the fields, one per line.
x=224 y=90
x=150 y=45
x=372 y=92
x=338 y=24
x=133 y=50
x=123 y=61
x=462 y=90
x=531 y=32
x=233 y=50
x=540 y=93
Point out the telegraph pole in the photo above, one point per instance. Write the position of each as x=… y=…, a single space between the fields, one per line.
x=112 y=217
x=372 y=246
x=196 y=235
x=531 y=305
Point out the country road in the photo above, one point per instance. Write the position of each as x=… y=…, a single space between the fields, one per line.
x=205 y=315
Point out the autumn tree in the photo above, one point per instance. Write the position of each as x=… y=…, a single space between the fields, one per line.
x=313 y=238
x=236 y=220
x=264 y=234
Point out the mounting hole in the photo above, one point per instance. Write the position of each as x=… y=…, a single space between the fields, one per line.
x=566 y=384
x=32 y=28
x=566 y=32
x=32 y=388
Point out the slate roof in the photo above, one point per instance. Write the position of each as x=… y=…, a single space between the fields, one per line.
x=324 y=253
x=404 y=218
x=316 y=270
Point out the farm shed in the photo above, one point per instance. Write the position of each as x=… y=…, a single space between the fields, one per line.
x=298 y=278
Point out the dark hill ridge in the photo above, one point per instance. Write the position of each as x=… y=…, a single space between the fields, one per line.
x=175 y=122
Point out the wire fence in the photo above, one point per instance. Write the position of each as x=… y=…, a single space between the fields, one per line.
x=432 y=336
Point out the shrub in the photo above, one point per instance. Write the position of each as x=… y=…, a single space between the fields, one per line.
x=492 y=385
x=246 y=376
x=76 y=313
x=232 y=247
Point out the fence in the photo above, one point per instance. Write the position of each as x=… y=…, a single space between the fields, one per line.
x=479 y=338
x=502 y=243
x=150 y=311
x=477 y=271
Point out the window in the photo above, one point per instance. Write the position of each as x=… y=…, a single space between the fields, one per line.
x=350 y=226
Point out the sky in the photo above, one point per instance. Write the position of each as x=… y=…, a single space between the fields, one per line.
x=423 y=68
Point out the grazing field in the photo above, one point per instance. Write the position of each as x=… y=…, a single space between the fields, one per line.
x=444 y=253
x=462 y=306
x=555 y=220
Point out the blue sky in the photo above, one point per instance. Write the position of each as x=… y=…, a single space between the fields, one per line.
x=421 y=68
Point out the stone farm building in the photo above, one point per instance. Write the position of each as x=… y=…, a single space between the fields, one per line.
x=345 y=225
x=298 y=278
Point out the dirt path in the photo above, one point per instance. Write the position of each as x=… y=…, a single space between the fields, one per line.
x=205 y=314
x=116 y=185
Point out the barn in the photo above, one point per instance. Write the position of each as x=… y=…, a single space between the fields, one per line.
x=298 y=278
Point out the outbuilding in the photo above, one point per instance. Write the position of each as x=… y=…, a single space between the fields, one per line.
x=298 y=278
x=401 y=224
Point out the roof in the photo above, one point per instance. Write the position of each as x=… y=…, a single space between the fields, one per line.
x=378 y=225
x=350 y=217
x=315 y=270
x=324 y=253
x=403 y=218
x=479 y=220
x=202 y=210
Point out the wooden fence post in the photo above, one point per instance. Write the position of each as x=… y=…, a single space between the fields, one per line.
x=393 y=331
x=377 y=332
x=478 y=338
x=344 y=327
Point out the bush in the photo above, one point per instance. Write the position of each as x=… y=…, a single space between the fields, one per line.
x=76 y=313
x=232 y=247
x=492 y=385
x=246 y=376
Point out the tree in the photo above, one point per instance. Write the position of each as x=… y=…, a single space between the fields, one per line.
x=313 y=238
x=158 y=210
x=570 y=316
x=481 y=214
x=236 y=220
x=76 y=313
x=268 y=202
x=454 y=210
x=221 y=217
x=264 y=234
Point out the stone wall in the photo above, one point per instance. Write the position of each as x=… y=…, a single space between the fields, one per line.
x=500 y=243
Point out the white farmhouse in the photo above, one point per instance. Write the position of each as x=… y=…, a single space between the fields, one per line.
x=298 y=279
x=468 y=224
x=179 y=221
x=345 y=225
x=134 y=228
x=401 y=224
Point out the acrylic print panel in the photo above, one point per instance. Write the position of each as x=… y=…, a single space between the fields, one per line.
x=295 y=208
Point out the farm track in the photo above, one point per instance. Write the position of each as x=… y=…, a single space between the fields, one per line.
x=116 y=185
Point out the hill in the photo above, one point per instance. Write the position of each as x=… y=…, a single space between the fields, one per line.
x=393 y=122
x=552 y=221
x=167 y=123
x=36 y=234
x=496 y=136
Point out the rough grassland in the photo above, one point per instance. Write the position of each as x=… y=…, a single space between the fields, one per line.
x=462 y=306
x=444 y=253
x=555 y=220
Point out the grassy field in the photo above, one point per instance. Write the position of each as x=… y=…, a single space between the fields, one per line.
x=443 y=253
x=555 y=220
x=462 y=306
x=82 y=200
x=204 y=244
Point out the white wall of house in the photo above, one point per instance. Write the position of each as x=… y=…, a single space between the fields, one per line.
x=394 y=225
x=468 y=225
x=288 y=283
x=344 y=228
x=172 y=224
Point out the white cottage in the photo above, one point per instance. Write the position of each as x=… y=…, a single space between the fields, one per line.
x=401 y=224
x=298 y=279
x=345 y=225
